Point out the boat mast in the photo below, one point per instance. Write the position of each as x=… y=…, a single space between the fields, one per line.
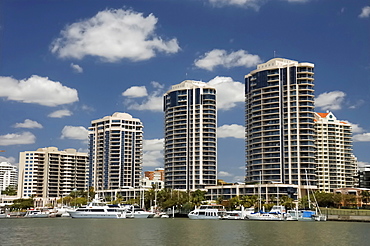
x=308 y=191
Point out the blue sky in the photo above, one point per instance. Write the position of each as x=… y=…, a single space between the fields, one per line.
x=64 y=63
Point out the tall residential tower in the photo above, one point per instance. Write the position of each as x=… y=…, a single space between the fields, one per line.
x=190 y=136
x=116 y=151
x=279 y=125
x=336 y=165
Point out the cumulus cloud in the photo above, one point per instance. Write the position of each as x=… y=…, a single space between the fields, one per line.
x=17 y=138
x=356 y=128
x=330 y=100
x=224 y=174
x=75 y=132
x=10 y=160
x=153 y=152
x=255 y=4
x=365 y=13
x=36 y=89
x=135 y=91
x=364 y=137
x=233 y=131
x=216 y=57
x=229 y=92
x=28 y=124
x=76 y=68
x=60 y=113
x=112 y=35
x=152 y=102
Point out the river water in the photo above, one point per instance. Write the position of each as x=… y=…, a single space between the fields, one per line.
x=179 y=231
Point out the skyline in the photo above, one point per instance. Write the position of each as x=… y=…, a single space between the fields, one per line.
x=64 y=64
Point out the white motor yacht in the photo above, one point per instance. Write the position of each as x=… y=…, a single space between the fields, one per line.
x=34 y=213
x=97 y=209
x=277 y=213
x=207 y=212
x=139 y=213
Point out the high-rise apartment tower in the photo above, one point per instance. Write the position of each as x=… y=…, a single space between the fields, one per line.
x=190 y=136
x=116 y=151
x=279 y=124
x=336 y=165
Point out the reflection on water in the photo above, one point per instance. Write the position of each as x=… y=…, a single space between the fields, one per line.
x=67 y=231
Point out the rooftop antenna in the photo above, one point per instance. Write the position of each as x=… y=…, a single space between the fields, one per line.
x=274 y=54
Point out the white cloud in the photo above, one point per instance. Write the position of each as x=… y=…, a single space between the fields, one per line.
x=60 y=113
x=365 y=13
x=135 y=91
x=152 y=102
x=216 y=57
x=76 y=68
x=255 y=4
x=28 y=124
x=233 y=130
x=363 y=164
x=364 y=137
x=330 y=100
x=229 y=92
x=224 y=174
x=17 y=138
x=10 y=160
x=153 y=152
x=356 y=128
x=75 y=132
x=112 y=35
x=36 y=89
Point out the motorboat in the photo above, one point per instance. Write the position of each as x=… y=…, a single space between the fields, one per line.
x=208 y=212
x=304 y=215
x=139 y=213
x=238 y=214
x=97 y=209
x=36 y=213
x=277 y=213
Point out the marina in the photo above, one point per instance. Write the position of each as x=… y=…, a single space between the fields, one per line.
x=179 y=231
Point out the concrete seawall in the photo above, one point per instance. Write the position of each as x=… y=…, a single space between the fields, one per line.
x=353 y=218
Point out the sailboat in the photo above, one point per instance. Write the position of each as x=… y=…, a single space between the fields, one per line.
x=307 y=215
x=277 y=213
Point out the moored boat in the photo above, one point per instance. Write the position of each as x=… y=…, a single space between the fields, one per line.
x=97 y=209
x=208 y=212
x=277 y=213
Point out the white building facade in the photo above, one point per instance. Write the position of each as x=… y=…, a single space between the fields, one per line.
x=190 y=136
x=336 y=164
x=8 y=175
x=279 y=123
x=49 y=173
x=115 y=152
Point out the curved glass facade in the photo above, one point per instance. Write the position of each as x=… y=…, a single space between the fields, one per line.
x=279 y=123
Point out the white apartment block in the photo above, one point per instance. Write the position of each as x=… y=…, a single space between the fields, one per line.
x=116 y=152
x=8 y=175
x=51 y=173
x=336 y=164
x=279 y=123
x=190 y=136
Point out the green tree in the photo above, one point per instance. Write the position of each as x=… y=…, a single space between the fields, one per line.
x=22 y=203
x=11 y=190
x=197 y=197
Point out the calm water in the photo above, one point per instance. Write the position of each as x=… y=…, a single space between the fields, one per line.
x=179 y=231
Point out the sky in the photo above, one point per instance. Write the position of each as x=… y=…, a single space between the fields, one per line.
x=64 y=63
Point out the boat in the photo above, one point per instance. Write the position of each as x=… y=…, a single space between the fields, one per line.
x=207 y=212
x=277 y=213
x=139 y=213
x=97 y=209
x=238 y=214
x=36 y=213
